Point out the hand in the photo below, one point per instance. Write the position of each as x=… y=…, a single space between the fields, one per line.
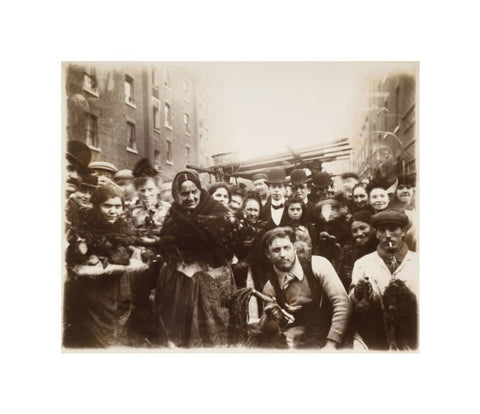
x=363 y=289
x=330 y=346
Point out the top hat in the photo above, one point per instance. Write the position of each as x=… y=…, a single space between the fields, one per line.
x=79 y=152
x=89 y=182
x=299 y=176
x=276 y=176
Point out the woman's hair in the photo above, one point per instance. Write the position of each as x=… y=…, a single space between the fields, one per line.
x=104 y=192
x=374 y=184
x=363 y=215
x=251 y=195
x=220 y=184
x=294 y=199
x=141 y=181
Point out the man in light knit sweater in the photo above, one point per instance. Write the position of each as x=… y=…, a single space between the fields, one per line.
x=311 y=291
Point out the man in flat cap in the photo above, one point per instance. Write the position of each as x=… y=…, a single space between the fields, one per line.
x=273 y=211
x=104 y=170
x=261 y=188
x=125 y=179
x=310 y=290
x=301 y=186
x=374 y=273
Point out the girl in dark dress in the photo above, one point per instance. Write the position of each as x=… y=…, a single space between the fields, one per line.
x=91 y=308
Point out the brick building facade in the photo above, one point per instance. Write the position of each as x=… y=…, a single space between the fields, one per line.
x=125 y=112
x=385 y=134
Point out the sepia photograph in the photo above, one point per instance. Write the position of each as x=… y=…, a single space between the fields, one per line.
x=240 y=206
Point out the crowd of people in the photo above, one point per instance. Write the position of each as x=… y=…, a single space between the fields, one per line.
x=283 y=262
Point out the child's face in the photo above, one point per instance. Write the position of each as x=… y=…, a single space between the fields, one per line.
x=295 y=211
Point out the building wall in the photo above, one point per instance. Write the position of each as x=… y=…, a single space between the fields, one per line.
x=160 y=83
x=386 y=132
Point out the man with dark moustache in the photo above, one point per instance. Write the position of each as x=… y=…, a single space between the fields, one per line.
x=392 y=262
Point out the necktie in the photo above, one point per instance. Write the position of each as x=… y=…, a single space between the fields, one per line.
x=288 y=279
x=277 y=207
x=393 y=264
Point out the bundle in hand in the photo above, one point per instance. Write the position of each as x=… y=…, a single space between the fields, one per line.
x=400 y=316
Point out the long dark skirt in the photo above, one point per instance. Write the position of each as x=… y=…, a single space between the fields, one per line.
x=193 y=310
x=91 y=312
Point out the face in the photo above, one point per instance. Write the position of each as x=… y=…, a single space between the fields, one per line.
x=281 y=253
x=361 y=232
x=148 y=192
x=221 y=194
x=390 y=236
x=295 y=211
x=106 y=174
x=72 y=177
x=111 y=209
x=331 y=212
x=302 y=190
x=360 y=197
x=277 y=191
x=189 y=195
x=260 y=187
x=404 y=193
x=251 y=211
x=379 y=199
x=236 y=202
x=128 y=187
x=83 y=197
x=348 y=184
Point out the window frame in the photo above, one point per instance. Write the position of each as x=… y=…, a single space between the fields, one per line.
x=88 y=118
x=132 y=127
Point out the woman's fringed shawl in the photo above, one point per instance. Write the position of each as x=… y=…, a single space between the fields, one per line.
x=204 y=235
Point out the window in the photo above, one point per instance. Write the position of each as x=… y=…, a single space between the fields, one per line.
x=169 y=152
x=186 y=122
x=157 y=160
x=187 y=155
x=156 y=113
x=154 y=77
x=129 y=92
x=92 y=131
x=90 y=83
x=186 y=89
x=131 y=139
x=166 y=78
x=168 y=116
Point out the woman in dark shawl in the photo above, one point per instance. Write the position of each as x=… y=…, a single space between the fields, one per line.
x=196 y=282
